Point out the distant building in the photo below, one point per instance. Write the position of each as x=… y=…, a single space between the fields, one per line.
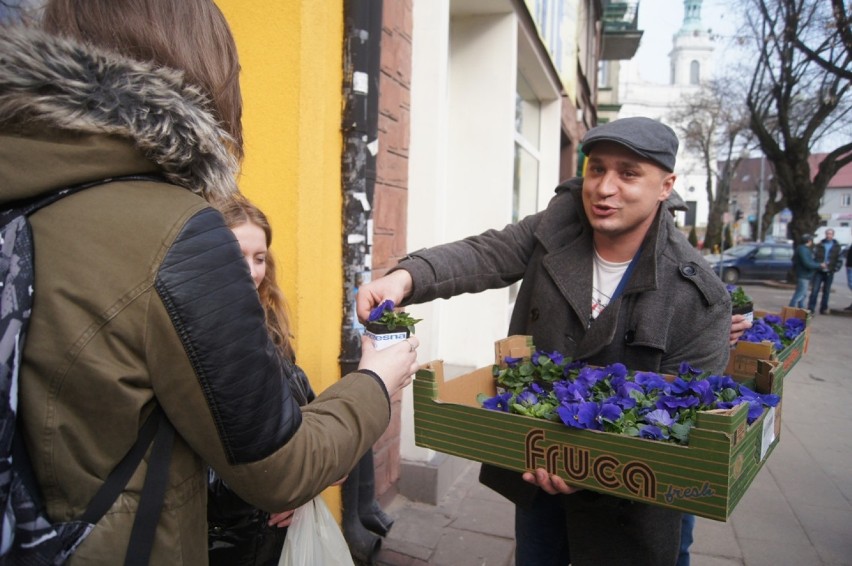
x=747 y=198
x=625 y=94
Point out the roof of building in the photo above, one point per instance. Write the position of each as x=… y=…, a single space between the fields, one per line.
x=748 y=174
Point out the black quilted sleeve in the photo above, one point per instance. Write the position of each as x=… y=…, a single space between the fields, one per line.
x=206 y=287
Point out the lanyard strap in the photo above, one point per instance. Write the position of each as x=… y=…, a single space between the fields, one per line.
x=626 y=276
x=622 y=283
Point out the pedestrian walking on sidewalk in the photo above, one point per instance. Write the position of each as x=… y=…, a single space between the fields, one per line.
x=849 y=272
x=827 y=252
x=805 y=267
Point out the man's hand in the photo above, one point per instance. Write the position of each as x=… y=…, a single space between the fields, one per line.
x=394 y=286
x=739 y=325
x=552 y=484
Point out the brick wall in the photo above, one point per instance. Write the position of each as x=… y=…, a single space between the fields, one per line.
x=390 y=203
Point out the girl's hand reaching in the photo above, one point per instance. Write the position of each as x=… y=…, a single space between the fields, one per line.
x=395 y=365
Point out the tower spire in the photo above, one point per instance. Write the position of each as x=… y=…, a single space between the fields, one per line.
x=691 y=16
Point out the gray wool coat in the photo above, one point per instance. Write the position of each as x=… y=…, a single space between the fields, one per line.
x=673 y=309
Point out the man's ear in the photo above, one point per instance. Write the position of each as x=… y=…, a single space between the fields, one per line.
x=668 y=185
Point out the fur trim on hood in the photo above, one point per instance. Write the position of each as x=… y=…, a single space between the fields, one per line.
x=69 y=85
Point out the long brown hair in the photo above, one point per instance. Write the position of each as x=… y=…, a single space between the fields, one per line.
x=238 y=211
x=187 y=35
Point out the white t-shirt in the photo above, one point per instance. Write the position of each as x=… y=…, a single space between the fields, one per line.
x=605 y=278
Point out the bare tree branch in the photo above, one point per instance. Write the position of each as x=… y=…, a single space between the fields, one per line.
x=839 y=66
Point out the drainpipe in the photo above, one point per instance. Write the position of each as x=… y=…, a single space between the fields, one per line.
x=361 y=68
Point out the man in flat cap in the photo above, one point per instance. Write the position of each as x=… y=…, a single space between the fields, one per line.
x=605 y=277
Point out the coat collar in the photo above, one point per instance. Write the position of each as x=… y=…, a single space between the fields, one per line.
x=61 y=85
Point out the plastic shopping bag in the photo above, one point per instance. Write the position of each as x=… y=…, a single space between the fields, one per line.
x=314 y=538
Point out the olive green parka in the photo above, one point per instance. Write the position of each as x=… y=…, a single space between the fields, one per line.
x=142 y=298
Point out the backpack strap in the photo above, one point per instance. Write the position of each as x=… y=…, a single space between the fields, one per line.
x=121 y=474
x=159 y=429
x=152 y=497
x=31 y=205
x=156 y=429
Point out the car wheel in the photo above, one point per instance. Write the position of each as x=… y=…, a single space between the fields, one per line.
x=730 y=276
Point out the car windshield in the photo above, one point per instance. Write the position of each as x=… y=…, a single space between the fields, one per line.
x=739 y=251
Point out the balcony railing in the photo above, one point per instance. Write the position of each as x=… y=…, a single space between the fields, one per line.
x=621 y=33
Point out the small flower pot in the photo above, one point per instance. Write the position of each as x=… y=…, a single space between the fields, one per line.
x=746 y=310
x=383 y=337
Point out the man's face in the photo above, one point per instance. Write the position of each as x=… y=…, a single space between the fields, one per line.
x=829 y=234
x=622 y=191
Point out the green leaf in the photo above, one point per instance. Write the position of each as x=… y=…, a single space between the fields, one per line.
x=681 y=431
x=521 y=410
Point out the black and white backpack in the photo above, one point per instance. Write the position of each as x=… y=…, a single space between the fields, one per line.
x=27 y=535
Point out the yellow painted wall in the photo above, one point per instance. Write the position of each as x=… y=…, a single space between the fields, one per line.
x=291 y=53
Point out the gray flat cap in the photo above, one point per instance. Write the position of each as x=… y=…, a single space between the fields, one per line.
x=646 y=137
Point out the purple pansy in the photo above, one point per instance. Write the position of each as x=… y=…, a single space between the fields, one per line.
x=380 y=310
x=590 y=376
x=592 y=415
x=498 y=402
x=554 y=357
x=652 y=432
x=511 y=362
x=772 y=319
x=673 y=403
x=568 y=414
x=651 y=381
x=527 y=398
x=659 y=417
x=686 y=369
x=702 y=389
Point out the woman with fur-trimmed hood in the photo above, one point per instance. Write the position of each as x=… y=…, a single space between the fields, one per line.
x=142 y=297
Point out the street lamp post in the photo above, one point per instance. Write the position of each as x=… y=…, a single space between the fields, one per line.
x=760 y=200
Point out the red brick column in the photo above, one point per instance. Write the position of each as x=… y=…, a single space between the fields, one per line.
x=390 y=203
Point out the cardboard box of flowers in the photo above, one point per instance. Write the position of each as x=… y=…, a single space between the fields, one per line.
x=781 y=338
x=692 y=442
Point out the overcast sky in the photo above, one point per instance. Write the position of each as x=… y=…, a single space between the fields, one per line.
x=661 y=19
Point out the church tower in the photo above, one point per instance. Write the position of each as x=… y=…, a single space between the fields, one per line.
x=692 y=53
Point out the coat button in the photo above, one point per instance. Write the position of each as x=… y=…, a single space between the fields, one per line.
x=534 y=314
x=630 y=336
x=688 y=270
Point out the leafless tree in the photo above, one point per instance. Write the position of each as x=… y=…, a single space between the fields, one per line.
x=713 y=123
x=799 y=95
